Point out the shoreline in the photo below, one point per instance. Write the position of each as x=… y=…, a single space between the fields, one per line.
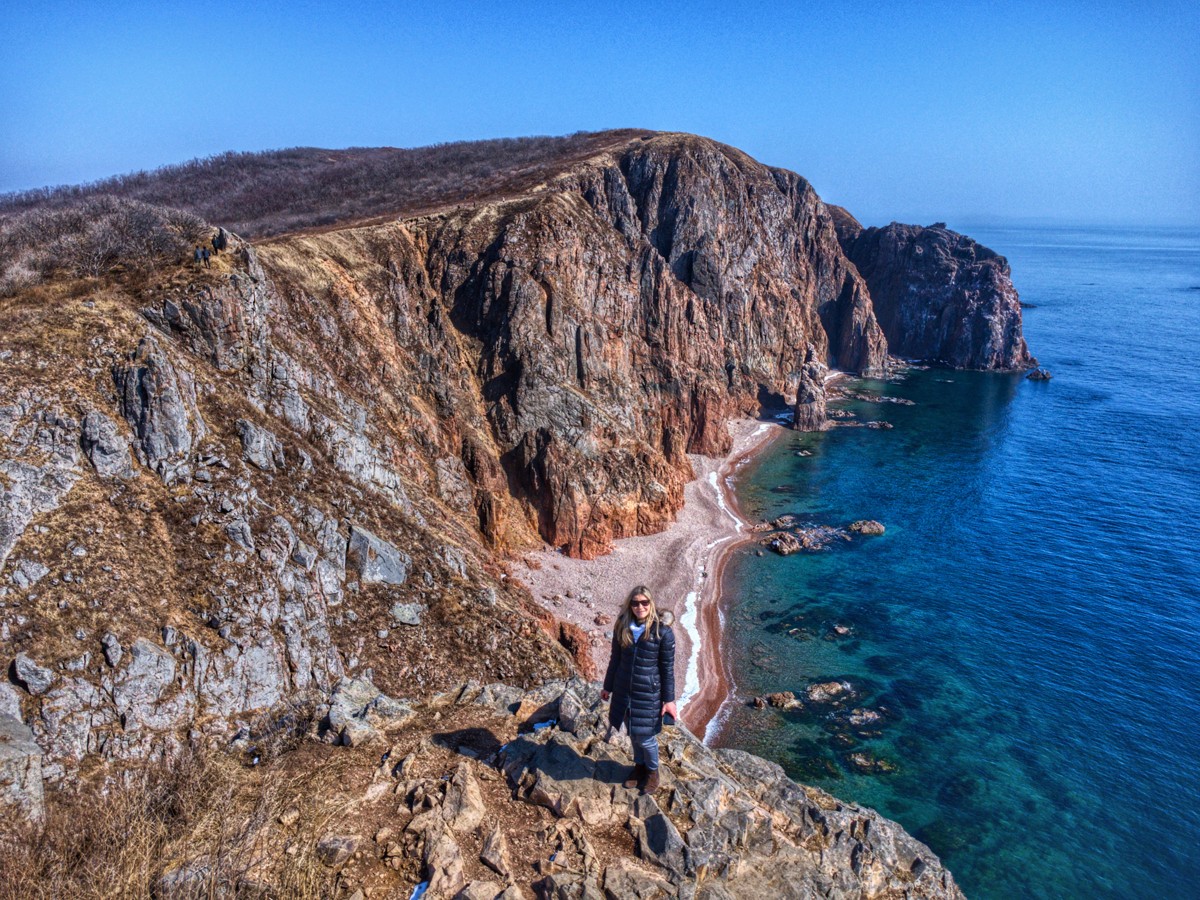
x=590 y=593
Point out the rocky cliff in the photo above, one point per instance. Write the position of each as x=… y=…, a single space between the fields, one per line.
x=939 y=296
x=226 y=491
x=488 y=792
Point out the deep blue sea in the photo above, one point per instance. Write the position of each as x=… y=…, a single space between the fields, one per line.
x=1028 y=627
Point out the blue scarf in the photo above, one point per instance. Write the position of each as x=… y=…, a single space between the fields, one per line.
x=637 y=631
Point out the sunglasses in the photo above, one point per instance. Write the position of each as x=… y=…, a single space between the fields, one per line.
x=639 y=602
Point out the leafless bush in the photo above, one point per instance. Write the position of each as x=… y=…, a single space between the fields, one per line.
x=92 y=235
x=282 y=729
x=258 y=194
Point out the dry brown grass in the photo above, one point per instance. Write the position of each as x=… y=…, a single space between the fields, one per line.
x=205 y=815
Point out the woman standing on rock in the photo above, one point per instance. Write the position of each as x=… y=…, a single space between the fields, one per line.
x=641 y=682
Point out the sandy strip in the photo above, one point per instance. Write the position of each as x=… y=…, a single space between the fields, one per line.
x=681 y=566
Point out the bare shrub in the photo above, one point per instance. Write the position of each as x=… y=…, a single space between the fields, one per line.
x=91 y=236
x=259 y=194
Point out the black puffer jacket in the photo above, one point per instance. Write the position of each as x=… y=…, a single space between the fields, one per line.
x=641 y=678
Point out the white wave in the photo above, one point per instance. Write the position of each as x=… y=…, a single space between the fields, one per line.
x=690 y=620
x=712 y=479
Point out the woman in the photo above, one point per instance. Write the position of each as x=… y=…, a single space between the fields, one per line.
x=641 y=682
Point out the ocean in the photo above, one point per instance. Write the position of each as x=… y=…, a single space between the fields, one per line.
x=1027 y=630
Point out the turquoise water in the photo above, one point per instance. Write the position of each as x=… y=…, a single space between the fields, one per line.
x=1029 y=625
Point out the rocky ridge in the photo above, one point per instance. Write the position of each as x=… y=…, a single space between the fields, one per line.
x=490 y=791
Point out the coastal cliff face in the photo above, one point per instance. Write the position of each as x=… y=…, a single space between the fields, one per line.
x=939 y=296
x=229 y=494
x=621 y=314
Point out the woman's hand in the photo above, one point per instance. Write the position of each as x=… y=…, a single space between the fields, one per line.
x=669 y=710
x=604 y=695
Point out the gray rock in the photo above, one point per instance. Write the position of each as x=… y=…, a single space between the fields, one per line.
x=453 y=483
x=112 y=649
x=34 y=678
x=359 y=712
x=656 y=838
x=10 y=700
x=106 y=448
x=625 y=880
x=260 y=446
x=145 y=693
x=407 y=613
x=28 y=572
x=456 y=560
x=39 y=464
x=304 y=556
x=375 y=560
x=20 y=770
x=443 y=863
x=240 y=533
x=159 y=403
x=334 y=849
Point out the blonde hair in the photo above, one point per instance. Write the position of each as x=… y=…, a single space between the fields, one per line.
x=626 y=618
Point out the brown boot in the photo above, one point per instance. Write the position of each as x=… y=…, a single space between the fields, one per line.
x=650 y=785
x=636 y=776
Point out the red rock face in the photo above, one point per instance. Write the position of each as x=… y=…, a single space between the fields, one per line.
x=571 y=344
x=623 y=312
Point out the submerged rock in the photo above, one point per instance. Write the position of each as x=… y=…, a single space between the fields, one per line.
x=867 y=526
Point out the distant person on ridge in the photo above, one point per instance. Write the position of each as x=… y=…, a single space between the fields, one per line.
x=641 y=682
x=198 y=257
x=206 y=255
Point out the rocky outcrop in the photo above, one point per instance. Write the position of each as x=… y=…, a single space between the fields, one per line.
x=20 y=771
x=158 y=401
x=617 y=316
x=938 y=295
x=475 y=799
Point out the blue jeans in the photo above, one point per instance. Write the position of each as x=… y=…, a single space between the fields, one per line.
x=646 y=752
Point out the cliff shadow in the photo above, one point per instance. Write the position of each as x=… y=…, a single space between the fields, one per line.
x=772 y=406
x=476 y=743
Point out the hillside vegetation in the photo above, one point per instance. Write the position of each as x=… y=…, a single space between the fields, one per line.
x=261 y=194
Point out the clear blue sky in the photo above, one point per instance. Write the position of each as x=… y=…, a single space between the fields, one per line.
x=1066 y=111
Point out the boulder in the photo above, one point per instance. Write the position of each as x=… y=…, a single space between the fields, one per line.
x=495 y=852
x=260 y=446
x=34 y=678
x=28 y=572
x=375 y=560
x=829 y=692
x=408 y=613
x=463 y=807
x=359 y=712
x=334 y=849
x=106 y=448
x=867 y=526
x=158 y=400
